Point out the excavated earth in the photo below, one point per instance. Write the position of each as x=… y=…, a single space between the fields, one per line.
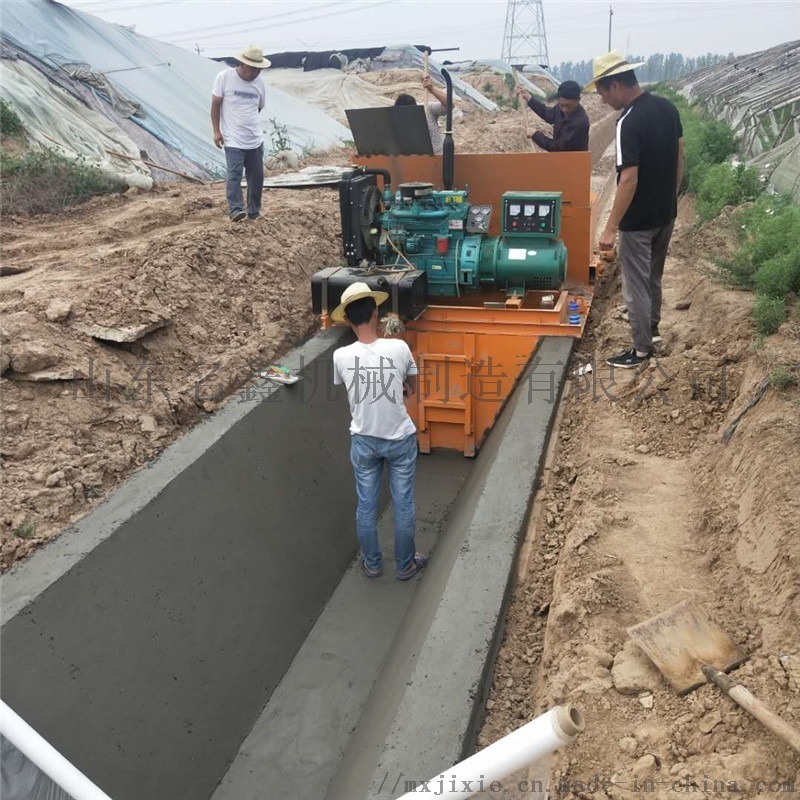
x=643 y=505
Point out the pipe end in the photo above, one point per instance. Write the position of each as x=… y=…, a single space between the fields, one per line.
x=569 y=721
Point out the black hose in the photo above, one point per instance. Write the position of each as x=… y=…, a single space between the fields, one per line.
x=448 y=150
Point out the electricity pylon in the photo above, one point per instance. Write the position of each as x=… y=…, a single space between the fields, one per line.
x=525 y=40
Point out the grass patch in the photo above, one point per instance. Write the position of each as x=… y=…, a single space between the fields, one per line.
x=44 y=181
x=25 y=531
x=784 y=376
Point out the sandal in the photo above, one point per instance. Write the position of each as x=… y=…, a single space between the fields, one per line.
x=418 y=563
x=369 y=572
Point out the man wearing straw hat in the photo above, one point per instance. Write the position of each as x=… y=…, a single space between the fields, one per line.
x=650 y=162
x=379 y=374
x=237 y=99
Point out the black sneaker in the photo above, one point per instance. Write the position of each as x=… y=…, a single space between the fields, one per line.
x=657 y=339
x=238 y=216
x=628 y=359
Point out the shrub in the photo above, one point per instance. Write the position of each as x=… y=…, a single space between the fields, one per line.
x=768 y=313
x=44 y=181
x=10 y=123
x=783 y=376
x=726 y=185
x=779 y=275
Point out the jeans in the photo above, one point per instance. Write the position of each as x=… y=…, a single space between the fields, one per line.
x=252 y=162
x=368 y=454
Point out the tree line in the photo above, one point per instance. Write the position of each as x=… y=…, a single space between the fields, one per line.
x=657 y=67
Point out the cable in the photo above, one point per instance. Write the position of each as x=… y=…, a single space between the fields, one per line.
x=191 y=31
x=313 y=18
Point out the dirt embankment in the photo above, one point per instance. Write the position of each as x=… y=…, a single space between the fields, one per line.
x=231 y=298
x=645 y=505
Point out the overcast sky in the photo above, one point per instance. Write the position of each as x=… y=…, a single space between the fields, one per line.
x=576 y=29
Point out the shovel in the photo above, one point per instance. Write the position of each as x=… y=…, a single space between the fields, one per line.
x=689 y=649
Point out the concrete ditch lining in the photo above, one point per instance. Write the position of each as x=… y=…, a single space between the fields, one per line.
x=425 y=707
x=144 y=642
x=163 y=648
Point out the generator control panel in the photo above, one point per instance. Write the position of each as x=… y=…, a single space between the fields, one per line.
x=532 y=214
x=478 y=219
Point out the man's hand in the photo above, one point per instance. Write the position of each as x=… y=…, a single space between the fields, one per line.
x=218 y=140
x=523 y=93
x=608 y=238
x=529 y=132
x=427 y=82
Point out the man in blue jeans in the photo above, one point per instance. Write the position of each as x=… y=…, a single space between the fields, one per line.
x=379 y=374
x=237 y=99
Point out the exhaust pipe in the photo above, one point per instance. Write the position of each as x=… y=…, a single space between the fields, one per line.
x=448 y=150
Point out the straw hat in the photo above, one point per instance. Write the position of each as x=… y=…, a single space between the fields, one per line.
x=254 y=57
x=607 y=65
x=356 y=291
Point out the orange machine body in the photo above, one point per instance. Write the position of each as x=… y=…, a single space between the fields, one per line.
x=472 y=350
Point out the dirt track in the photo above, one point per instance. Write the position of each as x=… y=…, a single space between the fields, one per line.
x=643 y=506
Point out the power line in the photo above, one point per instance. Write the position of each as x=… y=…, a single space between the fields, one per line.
x=189 y=32
x=249 y=28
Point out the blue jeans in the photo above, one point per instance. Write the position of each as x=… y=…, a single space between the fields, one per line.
x=252 y=163
x=368 y=455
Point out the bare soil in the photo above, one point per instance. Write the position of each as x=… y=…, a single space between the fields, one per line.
x=643 y=505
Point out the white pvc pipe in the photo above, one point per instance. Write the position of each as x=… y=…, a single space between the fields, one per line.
x=46 y=757
x=545 y=734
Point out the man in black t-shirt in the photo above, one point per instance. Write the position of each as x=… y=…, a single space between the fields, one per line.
x=650 y=163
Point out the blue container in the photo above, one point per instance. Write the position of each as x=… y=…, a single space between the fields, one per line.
x=574 y=315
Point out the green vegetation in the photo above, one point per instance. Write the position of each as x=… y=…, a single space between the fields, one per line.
x=10 y=123
x=783 y=376
x=25 y=531
x=43 y=181
x=279 y=136
x=768 y=258
x=767 y=227
x=726 y=185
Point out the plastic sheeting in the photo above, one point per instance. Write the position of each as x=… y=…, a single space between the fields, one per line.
x=172 y=85
x=21 y=779
x=500 y=67
x=758 y=95
x=57 y=121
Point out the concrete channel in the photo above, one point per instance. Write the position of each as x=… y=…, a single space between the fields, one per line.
x=204 y=634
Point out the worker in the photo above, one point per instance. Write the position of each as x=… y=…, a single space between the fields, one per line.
x=650 y=165
x=433 y=111
x=378 y=375
x=568 y=117
x=237 y=98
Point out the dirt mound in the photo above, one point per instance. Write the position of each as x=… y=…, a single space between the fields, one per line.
x=224 y=299
x=644 y=505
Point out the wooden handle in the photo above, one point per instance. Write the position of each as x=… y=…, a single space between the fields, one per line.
x=750 y=703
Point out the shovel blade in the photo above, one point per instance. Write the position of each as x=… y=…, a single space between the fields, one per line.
x=683 y=638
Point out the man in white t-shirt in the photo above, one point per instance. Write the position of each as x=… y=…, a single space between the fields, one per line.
x=379 y=374
x=236 y=102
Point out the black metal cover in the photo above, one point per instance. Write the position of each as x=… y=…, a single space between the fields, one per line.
x=392 y=131
x=407 y=290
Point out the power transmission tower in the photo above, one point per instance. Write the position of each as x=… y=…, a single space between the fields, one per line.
x=525 y=40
